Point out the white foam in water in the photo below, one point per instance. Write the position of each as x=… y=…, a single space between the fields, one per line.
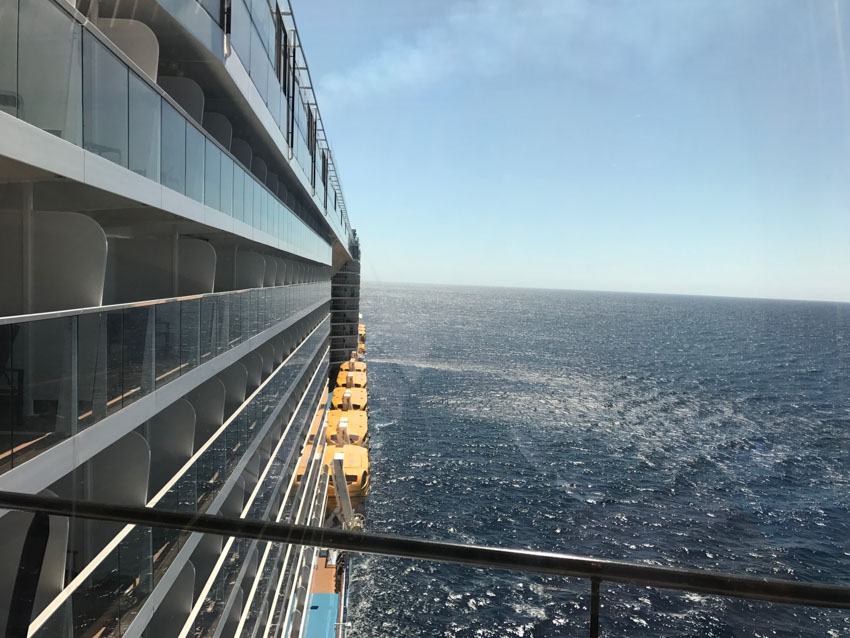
x=684 y=431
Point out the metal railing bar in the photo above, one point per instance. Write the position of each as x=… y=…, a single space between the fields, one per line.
x=75 y=312
x=692 y=580
x=594 y=608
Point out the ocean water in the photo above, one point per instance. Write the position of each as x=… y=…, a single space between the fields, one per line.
x=668 y=430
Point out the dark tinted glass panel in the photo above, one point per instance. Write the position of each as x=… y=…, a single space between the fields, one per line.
x=195 y=151
x=227 y=169
x=137 y=355
x=238 y=193
x=248 y=192
x=190 y=321
x=49 y=94
x=240 y=31
x=9 y=55
x=105 y=102
x=259 y=65
x=37 y=400
x=173 y=172
x=212 y=175
x=167 y=342
x=213 y=8
x=145 y=115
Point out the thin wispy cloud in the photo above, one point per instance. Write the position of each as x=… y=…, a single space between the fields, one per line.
x=481 y=38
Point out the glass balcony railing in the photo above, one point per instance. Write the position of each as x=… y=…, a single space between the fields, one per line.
x=105 y=597
x=63 y=372
x=551 y=593
x=266 y=507
x=253 y=39
x=97 y=101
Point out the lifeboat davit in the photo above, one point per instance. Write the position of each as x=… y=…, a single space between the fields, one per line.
x=358 y=366
x=358 y=379
x=355 y=466
x=357 y=400
x=358 y=426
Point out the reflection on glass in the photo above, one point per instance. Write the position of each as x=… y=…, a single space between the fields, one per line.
x=9 y=54
x=240 y=37
x=49 y=94
x=248 y=213
x=227 y=169
x=137 y=353
x=195 y=152
x=38 y=407
x=238 y=193
x=173 y=149
x=167 y=342
x=47 y=393
x=212 y=175
x=105 y=126
x=259 y=65
x=145 y=115
x=190 y=323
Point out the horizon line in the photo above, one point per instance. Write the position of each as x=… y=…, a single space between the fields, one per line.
x=622 y=292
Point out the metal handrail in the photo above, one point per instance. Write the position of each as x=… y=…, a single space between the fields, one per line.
x=75 y=312
x=594 y=569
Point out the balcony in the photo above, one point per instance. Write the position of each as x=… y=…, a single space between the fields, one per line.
x=66 y=371
x=239 y=468
x=103 y=102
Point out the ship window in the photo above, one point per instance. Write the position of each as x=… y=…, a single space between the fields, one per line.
x=145 y=114
x=173 y=164
x=105 y=126
x=49 y=93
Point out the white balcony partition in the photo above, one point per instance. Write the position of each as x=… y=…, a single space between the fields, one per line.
x=68 y=262
x=267 y=353
x=270 y=276
x=232 y=621
x=136 y=40
x=187 y=93
x=242 y=151
x=219 y=127
x=140 y=269
x=208 y=401
x=280 y=274
x=235 y=380
x=171 y=436
x=254 y=364
x=118 y=475
x=259 y=169
x=13 y=532
x=250 y=270
x=175 y=608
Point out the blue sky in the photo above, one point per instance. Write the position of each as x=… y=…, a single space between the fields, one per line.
x=679 y=146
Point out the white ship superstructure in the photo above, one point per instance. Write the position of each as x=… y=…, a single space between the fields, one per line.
x=171 y=220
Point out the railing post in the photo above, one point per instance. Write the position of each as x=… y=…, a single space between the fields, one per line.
x=594 y=608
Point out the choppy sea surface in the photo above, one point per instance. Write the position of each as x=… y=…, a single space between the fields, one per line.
x=669 y=430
